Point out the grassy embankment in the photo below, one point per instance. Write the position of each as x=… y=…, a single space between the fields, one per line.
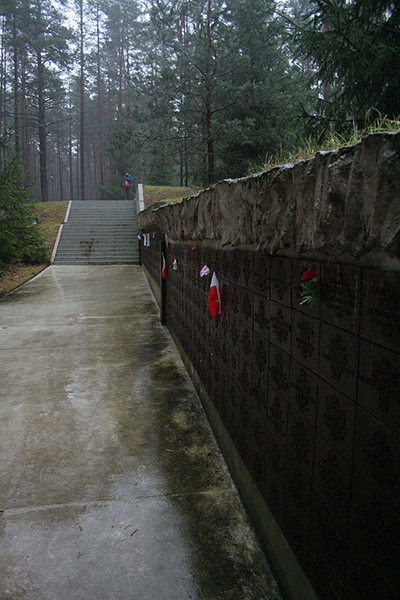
x=51 y=215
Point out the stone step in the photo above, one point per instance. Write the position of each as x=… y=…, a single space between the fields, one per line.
x=102 y=232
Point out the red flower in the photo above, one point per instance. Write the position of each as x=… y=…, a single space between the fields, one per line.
x=307 y=275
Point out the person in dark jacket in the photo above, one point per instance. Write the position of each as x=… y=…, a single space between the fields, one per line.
x=127 y=184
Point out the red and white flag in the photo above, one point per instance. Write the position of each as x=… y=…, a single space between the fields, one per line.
x=214 y=298
x=167 y=242
x=164 y=267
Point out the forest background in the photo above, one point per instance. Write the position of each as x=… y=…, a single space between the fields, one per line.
x=184 y=92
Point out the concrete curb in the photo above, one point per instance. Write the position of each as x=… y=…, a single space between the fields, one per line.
x=53 y=254
x=24 y=283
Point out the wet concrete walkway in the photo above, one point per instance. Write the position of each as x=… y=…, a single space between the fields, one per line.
x=111 y=485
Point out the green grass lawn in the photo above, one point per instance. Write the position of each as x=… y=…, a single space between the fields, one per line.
x=164 y=193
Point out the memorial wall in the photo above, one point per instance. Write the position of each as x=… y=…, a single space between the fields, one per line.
x=309 y=396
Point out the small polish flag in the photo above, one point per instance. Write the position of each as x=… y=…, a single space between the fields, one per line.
x=214 y=299
x=204 y=271
x=167 y=242
x=164 y=267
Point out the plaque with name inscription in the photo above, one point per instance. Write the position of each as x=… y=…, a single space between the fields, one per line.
x=332 y=479
x=297 y=532
x=338 y=359
x=261 y=355
x=305 y=340
x=298 y=268
x=298 y=489
x=377 y=456
x=258 y=430
x=245 y=345
x=274 y=495
x=331 y=541
x=279 y=367
x=261 y=315
x=380 y=308
x=379 y=383
x=281 y=280
x=303 y=391
x=340 y=296
x=335 y=419
x=246 y=307
x=276 y=452
x=280 y=326
x=363 y=579
x=300 y=443
x=375 y=527
x=261 y=274
x=323 y=578
x=257 y=466
x=277 y=413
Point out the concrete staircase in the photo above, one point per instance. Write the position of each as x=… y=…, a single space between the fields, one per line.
x=98 y=233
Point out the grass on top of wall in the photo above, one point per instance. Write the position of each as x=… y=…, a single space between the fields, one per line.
x=309 y=147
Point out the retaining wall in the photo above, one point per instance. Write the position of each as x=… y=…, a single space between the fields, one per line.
x=304 y=401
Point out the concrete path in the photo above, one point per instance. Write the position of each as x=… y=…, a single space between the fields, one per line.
x=111 y=485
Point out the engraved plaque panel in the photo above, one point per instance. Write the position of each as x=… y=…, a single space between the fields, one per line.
x=276 y=453
x=332 y=543
x=379 y=383
x=246 y=306
x=375 y=526
x=338 y=359
x=296 y=532
x=300 y=443
x=280 y=329
x=261 y=275
x=332 y=479
x=233 y=364
x=261 y=355
x=259 y=393
x=281 y=280
x=340 y=296
x=380 y=308
x=233 y=331
x=298 y=268
x=257 y=466
x=279 y=365
x=303 y=391
x=363 y=579
x=335 y=419
x=258 y=430
x=324 y=580
x=245 y=345
x=244 y=378
x=274 y=496
x=377 y=456
x=298 y=489
x=246 y=269
x=305 y=340
x=233 y=299
x=261 y=315
x=277 y=413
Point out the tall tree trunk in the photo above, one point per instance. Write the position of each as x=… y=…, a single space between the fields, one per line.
x=16 y=88
x=210 y=140
x=24 y=120
x=44 y=190
x=60 y=167
x=71 y=169
x=99 y=100
x=82 y=118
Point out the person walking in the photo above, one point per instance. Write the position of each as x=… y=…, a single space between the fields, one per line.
x=127 y=184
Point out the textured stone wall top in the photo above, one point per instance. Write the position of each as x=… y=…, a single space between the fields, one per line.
x=339 y=203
